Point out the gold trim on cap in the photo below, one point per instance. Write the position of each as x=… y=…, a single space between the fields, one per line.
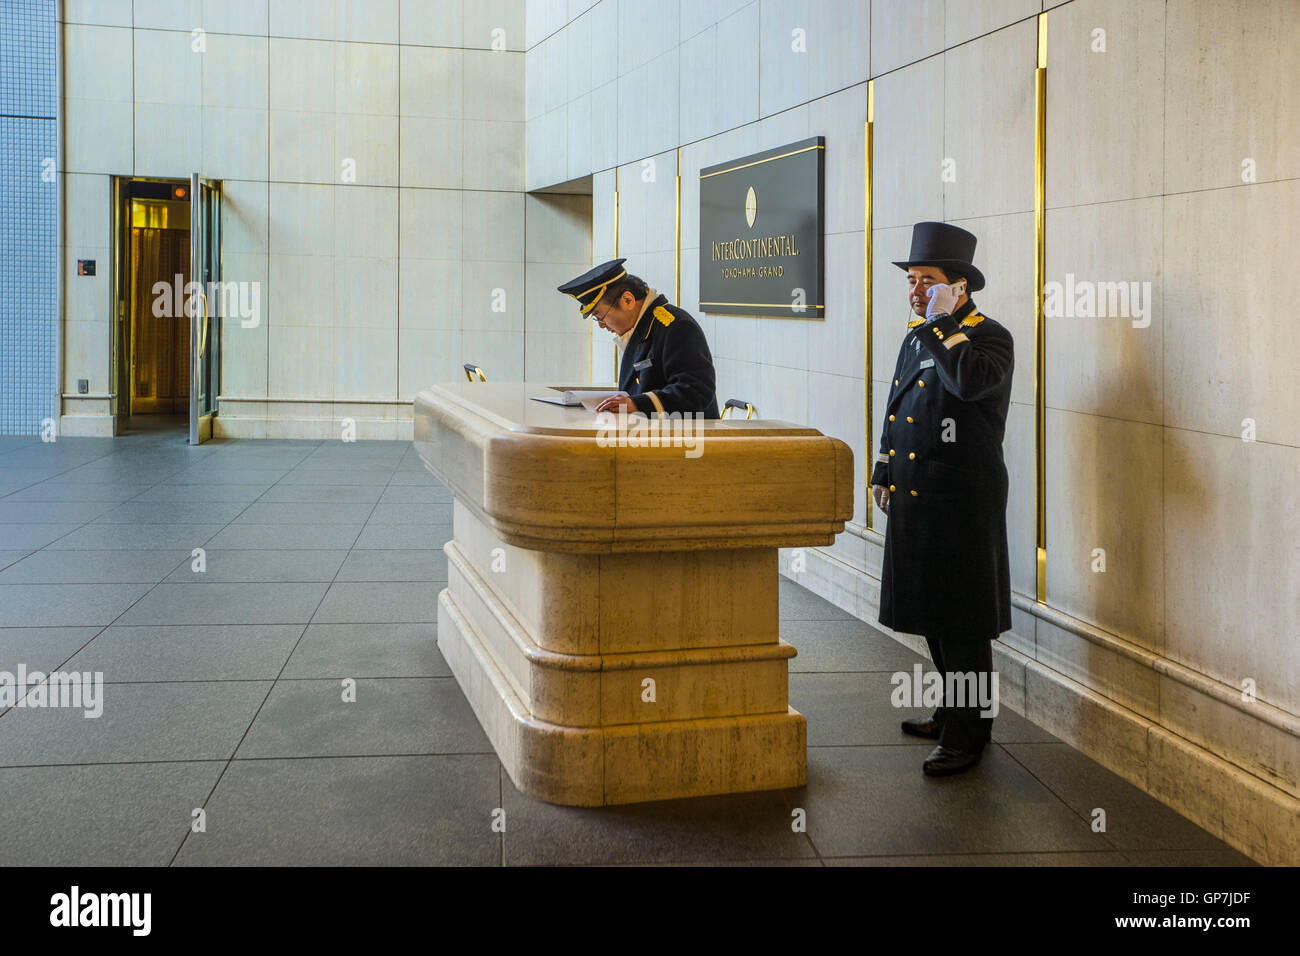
x=598 y=289
x=598 y=285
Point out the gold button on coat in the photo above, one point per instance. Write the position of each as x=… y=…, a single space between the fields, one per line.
x=895 y=381
x=921 y=382
x=910 y=418
x=891 y=418
x=913 y=494
x=891 y=453
x=911 y=454
x=891 y=487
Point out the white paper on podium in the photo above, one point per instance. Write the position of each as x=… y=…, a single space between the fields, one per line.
x=588 y=398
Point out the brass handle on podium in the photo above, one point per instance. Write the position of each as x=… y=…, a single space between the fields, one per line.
x=750 y=410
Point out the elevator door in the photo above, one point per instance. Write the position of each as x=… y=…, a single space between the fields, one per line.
x=205 y=305
x=157 y=338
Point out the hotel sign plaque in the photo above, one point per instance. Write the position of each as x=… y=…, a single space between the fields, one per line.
x=761 y=222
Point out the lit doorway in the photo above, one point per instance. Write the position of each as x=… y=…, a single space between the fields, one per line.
x=166 y=362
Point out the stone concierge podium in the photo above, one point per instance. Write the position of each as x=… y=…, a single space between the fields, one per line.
x=611 y=611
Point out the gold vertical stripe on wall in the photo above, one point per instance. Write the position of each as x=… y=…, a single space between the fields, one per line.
x=1040 y=331
x=677 y=242
x=868 y=456
x=591 y=349
x=616 y=256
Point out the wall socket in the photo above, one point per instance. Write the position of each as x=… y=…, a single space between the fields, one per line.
x=83 y=386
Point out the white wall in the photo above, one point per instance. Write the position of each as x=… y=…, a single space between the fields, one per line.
x=370 y=289
x=1141 y=666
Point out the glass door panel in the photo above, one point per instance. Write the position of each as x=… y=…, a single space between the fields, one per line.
x=204 y=304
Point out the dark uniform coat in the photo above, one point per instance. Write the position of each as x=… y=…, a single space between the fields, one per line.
x=946 y=570
x=667 y=366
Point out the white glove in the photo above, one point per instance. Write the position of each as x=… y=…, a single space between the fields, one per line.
x=942 y=300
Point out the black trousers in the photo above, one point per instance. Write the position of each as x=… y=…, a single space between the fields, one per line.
x=963 y=727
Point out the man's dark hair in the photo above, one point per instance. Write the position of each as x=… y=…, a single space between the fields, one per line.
x=629 y=283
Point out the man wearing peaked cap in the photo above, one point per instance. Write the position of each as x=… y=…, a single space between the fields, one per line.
x=666 y=365
x=940 y=477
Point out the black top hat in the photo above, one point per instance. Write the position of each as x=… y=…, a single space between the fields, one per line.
x=947 y=247
x=591 y=285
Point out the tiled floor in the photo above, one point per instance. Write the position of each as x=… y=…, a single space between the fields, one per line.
x=224 y=691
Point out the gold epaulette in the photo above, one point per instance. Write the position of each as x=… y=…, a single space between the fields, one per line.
x=664 y=316
x=971 y=320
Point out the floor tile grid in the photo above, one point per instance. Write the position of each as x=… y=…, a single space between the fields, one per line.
x=918 y=746
x=179 y=858
x=395 y=466
x=786 y=795
x=1114 y=853
x=1105 y=835
x=125 y=611
x=74 y=653
x=162 y=479
x=26 y=445
x=71 y=468
x=147 y=443
x=818 y=611
x=13 y=443
x=145 y=491
x=270 y=690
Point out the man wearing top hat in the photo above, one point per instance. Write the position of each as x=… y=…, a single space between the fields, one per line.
x=940 y=477
x=666 y=365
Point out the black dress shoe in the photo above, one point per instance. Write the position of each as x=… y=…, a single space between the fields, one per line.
x=923 y=727
x=944 y=761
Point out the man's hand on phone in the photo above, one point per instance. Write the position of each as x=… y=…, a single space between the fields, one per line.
x=881 y=494
x=943 y=299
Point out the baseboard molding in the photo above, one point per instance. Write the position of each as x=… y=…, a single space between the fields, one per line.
x=1178 y=735
x=227 y=426
x=86 y=426
x=253 y=418
x=310 y=418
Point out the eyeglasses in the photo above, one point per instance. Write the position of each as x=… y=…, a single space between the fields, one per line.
x=601 y=318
